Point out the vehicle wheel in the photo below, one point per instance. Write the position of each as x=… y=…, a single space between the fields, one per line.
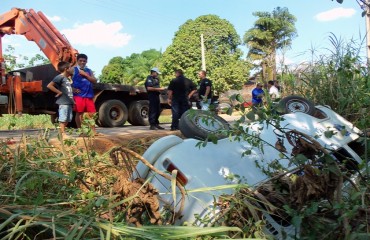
x=294 y=103
x=138 y=113
x=199 y=124
x=113 y=113
x=223 y=107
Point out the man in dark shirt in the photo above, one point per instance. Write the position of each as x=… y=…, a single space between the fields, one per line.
x=153 y=88
x=205 y=90
x=179 y=92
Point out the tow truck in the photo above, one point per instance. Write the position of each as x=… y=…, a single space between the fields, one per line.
x=25 y=91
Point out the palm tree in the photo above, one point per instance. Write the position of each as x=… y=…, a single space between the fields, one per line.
x=271 y=32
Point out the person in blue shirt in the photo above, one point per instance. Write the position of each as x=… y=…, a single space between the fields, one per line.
x=83 y=95
x=257 y=94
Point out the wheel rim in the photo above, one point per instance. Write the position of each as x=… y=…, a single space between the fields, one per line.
x=208 y=124
x=144 y=113
x=115 y=113
x=297 y=106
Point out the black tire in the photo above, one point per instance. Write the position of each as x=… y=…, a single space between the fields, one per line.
x=199 y=124
x=295 y=103
x=113 y=113
x=223 y=107
x=138 y=113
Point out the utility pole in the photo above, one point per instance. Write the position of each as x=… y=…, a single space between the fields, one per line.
x=203 y=55
x=367 y=19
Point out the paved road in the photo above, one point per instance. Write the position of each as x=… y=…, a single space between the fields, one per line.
x=125 y=131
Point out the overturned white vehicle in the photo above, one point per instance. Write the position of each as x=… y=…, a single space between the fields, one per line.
x=252 y=154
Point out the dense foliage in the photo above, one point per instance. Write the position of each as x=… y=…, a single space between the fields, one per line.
x=222 y=55
x=131 y=70
x=271 y=32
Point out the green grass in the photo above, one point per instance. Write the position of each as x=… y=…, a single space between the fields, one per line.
x=165 y=118
x=25 y=121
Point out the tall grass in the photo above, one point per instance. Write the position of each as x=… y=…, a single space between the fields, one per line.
x=50 y=193
x=338 y=78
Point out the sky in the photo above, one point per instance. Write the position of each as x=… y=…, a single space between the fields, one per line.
x=104 y=29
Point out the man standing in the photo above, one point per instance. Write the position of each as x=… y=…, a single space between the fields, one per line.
x=179 y=92
x=205 y=90
x=83 y=95
x=257 y=94
x=273 y=90
x=153 y=88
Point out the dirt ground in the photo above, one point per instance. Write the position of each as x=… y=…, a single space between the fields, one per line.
x=138 y=141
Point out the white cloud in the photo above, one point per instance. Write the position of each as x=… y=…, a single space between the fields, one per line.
x=98 y=34
x=335 y=14
x=54 y=18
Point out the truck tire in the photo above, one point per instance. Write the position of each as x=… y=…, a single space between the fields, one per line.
x=113 y=113
x=295 y=103
x=199 y=124
x=138 y=113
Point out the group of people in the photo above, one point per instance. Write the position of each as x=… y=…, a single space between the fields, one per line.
x=74 y=92
x=179 y=91
x=258 y=92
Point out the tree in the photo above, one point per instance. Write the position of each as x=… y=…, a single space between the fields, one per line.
x=223 y=57
x=131 y=70
x=270 y=33
x=38 y=60
x=13 y=62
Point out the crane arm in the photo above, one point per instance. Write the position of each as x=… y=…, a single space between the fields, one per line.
x=37 y=28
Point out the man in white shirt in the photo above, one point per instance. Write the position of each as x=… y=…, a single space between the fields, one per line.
x=273 y=91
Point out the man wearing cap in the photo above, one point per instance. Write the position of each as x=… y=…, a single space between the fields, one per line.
x=153 y=88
